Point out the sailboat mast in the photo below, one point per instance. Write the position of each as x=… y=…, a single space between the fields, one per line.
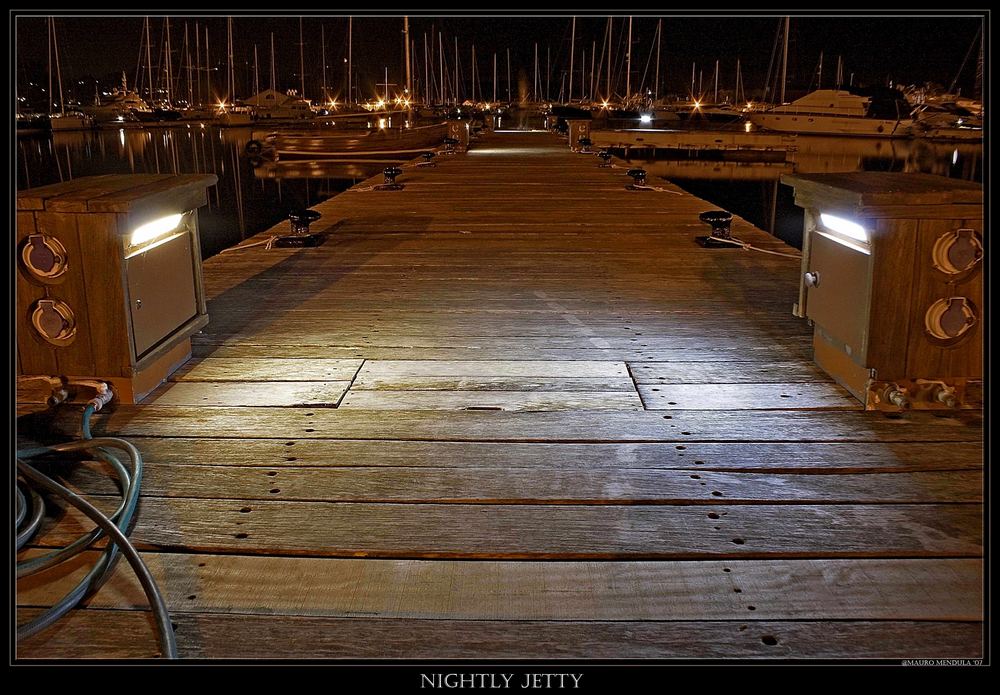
x=535 y=88
x=208 y=70
x=406 y=39
x=784 y=61
x=593 y=63
x=273 y=81
x=427 y=74
x=48 y=57
x=197 y=54
x=572 y=52
x=256 y=72
x=322 y=39
x=229 y=60
x=350 y=76
x=441 y=62
x=302 y=62
x=739 y=84
x=508 y=77
x=628 y=61
x=494 y=77
x=609 y=58
x=659 y=41
x=169 y=58
x=190 y=68
x=149 y=62
x=716 y=97
x=456 y=70
x=819 y=78
x=474 y=74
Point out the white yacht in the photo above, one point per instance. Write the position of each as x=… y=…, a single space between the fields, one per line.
x=882 y=113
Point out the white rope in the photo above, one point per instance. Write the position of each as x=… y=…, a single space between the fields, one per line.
x=266 y=243
x=643 y=187
x=747 y=247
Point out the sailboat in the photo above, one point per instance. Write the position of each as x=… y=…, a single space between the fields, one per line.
x=62 y=121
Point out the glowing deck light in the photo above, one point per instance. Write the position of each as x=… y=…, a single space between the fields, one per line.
x=381 y=123
x=954 y=157
x=154 y=229
x=845 y=227
x=646 y=118
x=747 y=126
x=697 y=104
x=604 y=104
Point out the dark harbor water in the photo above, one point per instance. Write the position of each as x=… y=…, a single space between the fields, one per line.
x=246 y=200
x=249 y=199
x=751 y=189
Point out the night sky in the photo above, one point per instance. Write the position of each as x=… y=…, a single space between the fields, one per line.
x=905 y=49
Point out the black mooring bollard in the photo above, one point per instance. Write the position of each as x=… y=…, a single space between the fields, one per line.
x=585 y=144
x=428 y=156
x=721 y=223
x=301 y=219
x=638 y=178
x=389 y=175
x=605 y=158
x=300 y=236
x=449 y=145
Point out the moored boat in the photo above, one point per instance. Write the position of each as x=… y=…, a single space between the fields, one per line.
x=882 y=113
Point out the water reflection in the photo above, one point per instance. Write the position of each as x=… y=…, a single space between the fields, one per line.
x=243 y=203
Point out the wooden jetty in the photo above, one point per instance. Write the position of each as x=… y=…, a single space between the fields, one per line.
x=514 y=410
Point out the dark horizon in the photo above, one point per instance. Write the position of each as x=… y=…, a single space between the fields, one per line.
x=877 y=49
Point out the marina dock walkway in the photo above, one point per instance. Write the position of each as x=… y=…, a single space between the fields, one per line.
x=514 y=410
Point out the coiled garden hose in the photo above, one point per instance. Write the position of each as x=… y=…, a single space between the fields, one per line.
x=115 y=527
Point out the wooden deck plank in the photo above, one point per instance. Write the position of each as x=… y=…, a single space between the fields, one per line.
x=397 y=369
x=539 y=485
x=731 y=372
x=128 y=635
x=526 y=401
x=877 y=589
x=249 y=394
x=545 y=531
x=821 y=457
x=492 y=383
x=267 y=369
x=582 y=426
x=747 y=396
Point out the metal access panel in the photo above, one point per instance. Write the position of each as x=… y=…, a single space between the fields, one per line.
x=161 y=291
x=840 y=299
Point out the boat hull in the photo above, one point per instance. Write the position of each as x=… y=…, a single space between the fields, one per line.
x=831 y=125
x=386 y=144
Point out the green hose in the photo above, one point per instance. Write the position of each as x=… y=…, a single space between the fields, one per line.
x=116 y=527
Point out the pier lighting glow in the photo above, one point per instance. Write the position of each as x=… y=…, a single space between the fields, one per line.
x=154 y=229
x=697 y=104
x=646 y=118
x=954 y=157
x=846 y=227
x=604 y=104
x=746 y=126
x=381 y=123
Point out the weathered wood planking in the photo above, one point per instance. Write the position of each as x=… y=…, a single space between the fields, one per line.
x=250 y=393
x=806 y=457
x=545 y=531
x=266 y=369
x=708 y=371
x=128 y=635
x=856 y=589
x=747 y=397
x=528 y=401
x=582 y=426
x=541 y=485
x=492 y=383
x=390 y=369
